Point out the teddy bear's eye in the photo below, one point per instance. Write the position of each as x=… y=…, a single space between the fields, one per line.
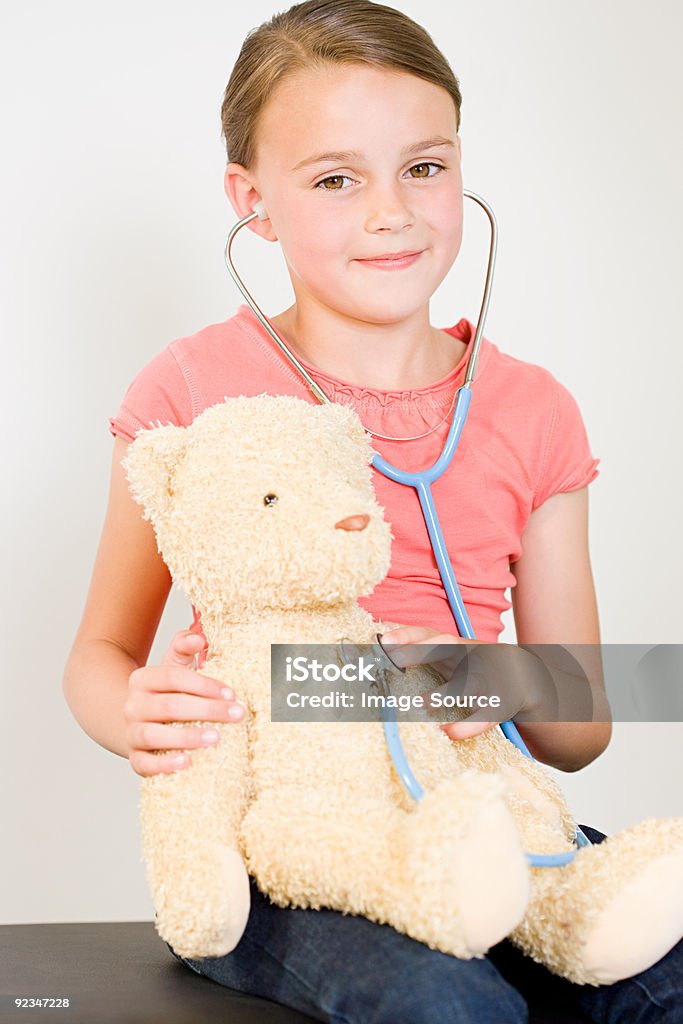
x=270 y=499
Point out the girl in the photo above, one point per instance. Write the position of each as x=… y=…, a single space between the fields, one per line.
x=342 y=116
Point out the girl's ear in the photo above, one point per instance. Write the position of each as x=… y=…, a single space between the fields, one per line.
x=243 y=196
x=150 y=464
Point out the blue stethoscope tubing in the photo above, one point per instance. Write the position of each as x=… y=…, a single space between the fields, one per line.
x=421 y=482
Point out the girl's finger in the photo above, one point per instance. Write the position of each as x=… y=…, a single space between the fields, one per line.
x=408 y=634
x=186 y=707
x=153 y=736
x=466 y=730
x=184 y=647
x=417 y=645
x=146 y=764
x=179 y=679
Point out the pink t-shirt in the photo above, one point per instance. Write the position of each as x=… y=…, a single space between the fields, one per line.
x=523 y=440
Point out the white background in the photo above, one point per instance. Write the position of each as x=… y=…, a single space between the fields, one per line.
x=113 y=226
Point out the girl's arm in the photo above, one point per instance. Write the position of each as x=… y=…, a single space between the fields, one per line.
x=126 y=706
x=554 y=602
x=128 y=592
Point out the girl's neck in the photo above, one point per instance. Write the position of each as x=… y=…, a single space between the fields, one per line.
x=407 y=355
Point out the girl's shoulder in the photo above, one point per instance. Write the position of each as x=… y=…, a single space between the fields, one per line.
x=541 y=418
x=533 y=390
x=511 y=376
x=196 y=371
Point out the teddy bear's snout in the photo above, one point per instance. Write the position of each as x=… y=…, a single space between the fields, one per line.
x=353 y=522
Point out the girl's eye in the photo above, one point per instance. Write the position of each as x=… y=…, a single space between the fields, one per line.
x=416 y=167
x=335 y=180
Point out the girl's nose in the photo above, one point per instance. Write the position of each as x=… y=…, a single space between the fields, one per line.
x=353 y=522
x=388 y=210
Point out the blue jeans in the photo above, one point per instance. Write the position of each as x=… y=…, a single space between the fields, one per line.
x=345 y=969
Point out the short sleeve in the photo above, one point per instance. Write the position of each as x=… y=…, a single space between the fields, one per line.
x=567 y=463
x=160 y=393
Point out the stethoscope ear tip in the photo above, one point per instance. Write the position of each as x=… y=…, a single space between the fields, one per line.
x=260 y=210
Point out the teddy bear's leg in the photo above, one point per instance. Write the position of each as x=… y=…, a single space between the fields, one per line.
x=467 y=878
x=614 y=911
x=449 y=871
x=195 y=871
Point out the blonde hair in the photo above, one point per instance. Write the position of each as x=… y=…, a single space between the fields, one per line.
x=316 y=33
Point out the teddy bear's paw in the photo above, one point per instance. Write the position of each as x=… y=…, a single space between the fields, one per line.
x=642 y=921
x=469 y=872
x=208 y=918
x=235 y=913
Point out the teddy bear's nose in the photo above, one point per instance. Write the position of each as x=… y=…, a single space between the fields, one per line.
x=353 y=522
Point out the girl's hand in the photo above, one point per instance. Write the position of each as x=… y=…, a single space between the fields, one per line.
x=520 y=697
x=174 y=692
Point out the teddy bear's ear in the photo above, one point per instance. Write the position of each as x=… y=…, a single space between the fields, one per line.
x=150 y=465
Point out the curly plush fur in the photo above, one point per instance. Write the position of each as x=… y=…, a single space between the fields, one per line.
x=316 y=813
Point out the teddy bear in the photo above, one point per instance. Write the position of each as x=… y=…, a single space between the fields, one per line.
x=264 y=511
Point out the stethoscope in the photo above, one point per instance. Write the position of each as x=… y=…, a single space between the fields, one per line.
x=422 y=483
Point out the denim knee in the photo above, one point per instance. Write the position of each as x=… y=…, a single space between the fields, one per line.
x=653 y=997
x=433 y=988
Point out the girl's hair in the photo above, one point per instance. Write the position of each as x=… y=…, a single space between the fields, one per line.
x=316 y=33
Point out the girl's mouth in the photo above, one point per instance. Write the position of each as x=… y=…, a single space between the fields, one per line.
x=392 y=262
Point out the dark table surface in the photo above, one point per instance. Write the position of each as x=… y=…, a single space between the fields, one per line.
x=123 y=973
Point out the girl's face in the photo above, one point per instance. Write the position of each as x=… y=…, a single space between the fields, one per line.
x=355 y=162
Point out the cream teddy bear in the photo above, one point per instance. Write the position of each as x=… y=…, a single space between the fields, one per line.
x=265 y=514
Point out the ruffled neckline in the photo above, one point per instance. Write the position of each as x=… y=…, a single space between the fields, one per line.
x=439 y=393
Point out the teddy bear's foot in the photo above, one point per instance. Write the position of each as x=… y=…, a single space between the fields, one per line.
x=206 y=905
x=466 y=869
x=644 y=919
x=614 y=911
